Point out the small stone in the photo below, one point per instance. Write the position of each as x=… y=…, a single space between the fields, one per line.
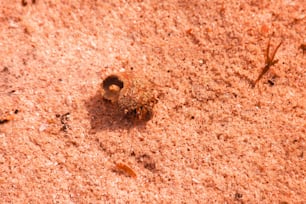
x=43 y=127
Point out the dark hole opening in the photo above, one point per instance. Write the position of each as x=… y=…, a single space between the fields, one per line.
x=112 y=80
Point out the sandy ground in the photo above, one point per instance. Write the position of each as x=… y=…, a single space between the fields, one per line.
x=213 y=138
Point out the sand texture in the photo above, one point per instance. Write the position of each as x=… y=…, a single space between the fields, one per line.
x=213 y=137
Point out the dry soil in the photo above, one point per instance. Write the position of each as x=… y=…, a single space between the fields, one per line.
x=213 y=137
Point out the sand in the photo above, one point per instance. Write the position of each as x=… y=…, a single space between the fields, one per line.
x=213 y=137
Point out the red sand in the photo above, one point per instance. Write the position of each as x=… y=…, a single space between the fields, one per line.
x=213 y=138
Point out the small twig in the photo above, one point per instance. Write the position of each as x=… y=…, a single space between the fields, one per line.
x=269 y=61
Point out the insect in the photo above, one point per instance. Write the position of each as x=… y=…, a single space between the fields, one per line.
x=126 y=169
x=269 y=61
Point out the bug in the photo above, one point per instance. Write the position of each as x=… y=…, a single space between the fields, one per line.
x=269 y=61
x=126 y=169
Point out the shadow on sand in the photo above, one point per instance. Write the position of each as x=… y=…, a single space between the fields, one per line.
x=106 y=116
